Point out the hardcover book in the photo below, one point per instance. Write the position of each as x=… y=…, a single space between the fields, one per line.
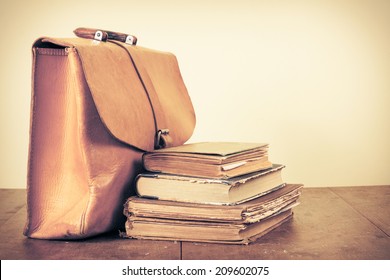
x=248 y=212
x=198 y=231
x=209 y=159
x=219 y=192
x=210 y=191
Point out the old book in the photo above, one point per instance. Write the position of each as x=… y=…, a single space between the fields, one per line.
x=196 y=231
x=248 y=212
x=209 y=159
x=210 y=191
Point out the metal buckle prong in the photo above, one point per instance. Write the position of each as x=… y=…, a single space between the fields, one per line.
x=159 y=140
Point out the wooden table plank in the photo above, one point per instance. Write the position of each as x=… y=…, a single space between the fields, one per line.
x=324 y=227
x=372 y=202
x=330 y=223
x=13 y=245
x=12 y=200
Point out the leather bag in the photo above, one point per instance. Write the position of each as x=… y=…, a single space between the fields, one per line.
x=98 y=103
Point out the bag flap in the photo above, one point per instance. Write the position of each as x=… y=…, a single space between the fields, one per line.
x=138 y=92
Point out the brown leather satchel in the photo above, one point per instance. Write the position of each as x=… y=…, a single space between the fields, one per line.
x=98 y=103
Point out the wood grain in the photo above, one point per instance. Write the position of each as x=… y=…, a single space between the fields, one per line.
x=14 y=245
x=11 y=201
x=323 y=227
x=372 y=202
x=331 y=223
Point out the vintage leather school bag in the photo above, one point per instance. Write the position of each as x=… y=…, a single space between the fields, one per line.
x=98 y=103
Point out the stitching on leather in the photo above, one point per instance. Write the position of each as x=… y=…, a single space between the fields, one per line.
x=31 y=151
x=54 y=52
x=74 y=60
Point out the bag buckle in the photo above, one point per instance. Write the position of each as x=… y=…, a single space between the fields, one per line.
x=160 y=142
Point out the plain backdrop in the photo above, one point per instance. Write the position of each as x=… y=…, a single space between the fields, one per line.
x=311 y=78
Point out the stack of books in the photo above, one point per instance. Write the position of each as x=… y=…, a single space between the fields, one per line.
x=220 y=192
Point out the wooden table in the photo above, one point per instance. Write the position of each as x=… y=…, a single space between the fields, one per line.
x=330 y=223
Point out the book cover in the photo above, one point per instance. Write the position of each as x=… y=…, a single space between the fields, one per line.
x=209 y=159
x=247 y=212
x=195 y=231
x=210 y=191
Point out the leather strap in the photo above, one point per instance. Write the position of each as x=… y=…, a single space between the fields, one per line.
x=162 y=137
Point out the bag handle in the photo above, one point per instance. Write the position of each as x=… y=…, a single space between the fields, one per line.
x=104 y=35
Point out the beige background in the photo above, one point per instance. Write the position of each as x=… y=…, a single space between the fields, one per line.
x=309 y=77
